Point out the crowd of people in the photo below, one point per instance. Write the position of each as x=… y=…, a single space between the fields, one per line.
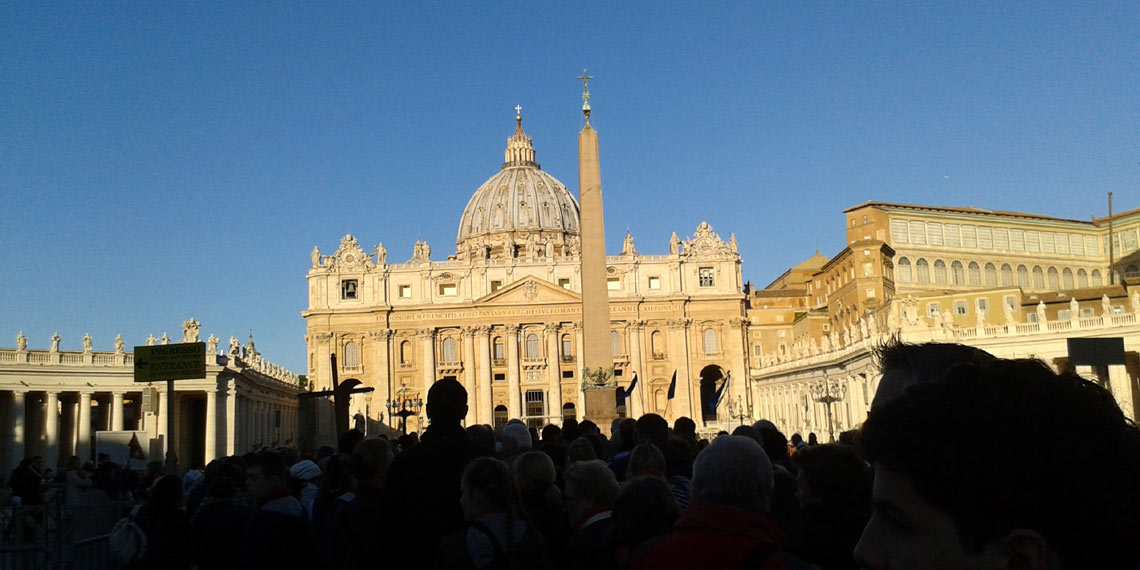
x=965 y=461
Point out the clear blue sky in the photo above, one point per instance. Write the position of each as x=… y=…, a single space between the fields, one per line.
x=165 y=160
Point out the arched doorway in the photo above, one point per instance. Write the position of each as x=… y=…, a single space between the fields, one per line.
x=712 y=381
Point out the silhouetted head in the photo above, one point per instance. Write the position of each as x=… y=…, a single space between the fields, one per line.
x=447 y=401
x=487 y=486
x=534 y=470
x=646 y=459
x=652 y=427
x=590 y=487
x=734 y=470
x=685 y=427
x=904 y=365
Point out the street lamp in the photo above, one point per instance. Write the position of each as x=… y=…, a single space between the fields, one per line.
x=824 y=392
x=739 y=410
x=407 y=403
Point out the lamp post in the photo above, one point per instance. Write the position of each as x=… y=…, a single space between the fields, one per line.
x=739 y=410
x=824 y=392
x=407 y=403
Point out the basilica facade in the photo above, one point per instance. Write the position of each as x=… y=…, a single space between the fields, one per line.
x=503 y=313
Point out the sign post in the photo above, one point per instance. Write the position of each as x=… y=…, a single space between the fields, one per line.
x=170 y=362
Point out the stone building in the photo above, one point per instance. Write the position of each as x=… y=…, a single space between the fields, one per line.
x=53 y=401
x=1015 y=284
x=502 y=314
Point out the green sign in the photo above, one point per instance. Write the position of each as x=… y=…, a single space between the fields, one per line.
x=182 y=361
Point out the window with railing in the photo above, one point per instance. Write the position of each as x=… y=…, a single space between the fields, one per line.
x=535 y=408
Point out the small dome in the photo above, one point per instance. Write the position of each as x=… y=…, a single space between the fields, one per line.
x=519 y=202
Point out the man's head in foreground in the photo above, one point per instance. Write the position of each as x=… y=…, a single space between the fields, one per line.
x=1002 y=464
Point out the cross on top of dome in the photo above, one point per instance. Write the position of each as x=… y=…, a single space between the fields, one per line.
x=520 y=151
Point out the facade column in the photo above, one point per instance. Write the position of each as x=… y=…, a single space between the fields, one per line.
x=211 y=424
x=380 y=372
x=580 y=407
x=51 y=430
x=230 y=418
x=1121 y=389
x=635 y=404
x=468 y=359
x=484 y=402
x=679 y=333
x=554 y=374
x=16 y=445
x=428 y=336
x=83 y=443
x=116 y=411
x=512 y=339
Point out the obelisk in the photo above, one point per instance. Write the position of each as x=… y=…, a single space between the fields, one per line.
x=596 y=354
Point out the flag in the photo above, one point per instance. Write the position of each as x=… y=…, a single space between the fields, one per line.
x=672 y=386
x=632 y=385
x=715 y=400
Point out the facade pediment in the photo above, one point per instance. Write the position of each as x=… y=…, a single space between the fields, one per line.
x=530 y=290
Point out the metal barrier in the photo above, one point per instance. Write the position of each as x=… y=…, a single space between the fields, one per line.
x=24 y=558
x=93 y=554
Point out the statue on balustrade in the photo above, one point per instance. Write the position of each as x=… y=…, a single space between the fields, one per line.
x=21 y=341
x=87 y=343
x=55 y=342
x=119 y=344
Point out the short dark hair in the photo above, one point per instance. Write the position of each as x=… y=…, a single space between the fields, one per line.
x=1070 y=473
x=925 y=362
x=269 y=462
x=684 y=426
x=447 y=401
x=653 y=427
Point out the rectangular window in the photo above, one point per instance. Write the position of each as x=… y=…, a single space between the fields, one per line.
x=1061 y=241
x=496 y=285
x=953 y=235
x=1092 y=250
x=758 y=350
x=969 y=236
x=985 y=238
x=618 y=372
x=567 y=374
x=499 y=377
x=1032 y=241
x=960 y=308
x=1047 y=242
x=564 y=283
x=535 y=404
x=1085 y=313
x=1017 y=240
x=1076 y=244
x=1129 y=242
x=654 y=282
x=917 y=233
x=348 y=289
x=934 y=233
x=899 y=231
x=870 y=293
x=1009 y=301
x=1001 y=239
x=1064 y=315
x=405 y=291
x=933 y=309
x=706 y=277
x=983 y=305
x=1031 y=317
x=447 y=289
x=613 y=283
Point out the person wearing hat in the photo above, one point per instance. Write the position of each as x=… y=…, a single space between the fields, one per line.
x=303 y=477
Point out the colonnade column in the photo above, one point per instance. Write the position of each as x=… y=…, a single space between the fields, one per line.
x=428 y=336
x=381 y=371
x=211 y=424
x=512 y=340
x=15 y=448
x=635 y=404
x=116 y=411
x=678 y=335
x=554 y=374
x=483 y=402
x=231 y=417
x=51 y=429
x=83 y=445
x=580 y=407
x=1121 y=389
x=468 y=334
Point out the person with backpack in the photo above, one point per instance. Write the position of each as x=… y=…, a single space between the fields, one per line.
x=165 y=528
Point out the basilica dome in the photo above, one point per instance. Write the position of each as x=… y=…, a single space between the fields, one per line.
x=520 y=211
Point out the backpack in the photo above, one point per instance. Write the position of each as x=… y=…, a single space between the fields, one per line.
x=127 y=539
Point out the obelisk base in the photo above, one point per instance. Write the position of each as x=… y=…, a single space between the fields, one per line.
x=601 y=407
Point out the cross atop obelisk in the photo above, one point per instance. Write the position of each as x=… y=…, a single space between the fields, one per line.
x=586 y=94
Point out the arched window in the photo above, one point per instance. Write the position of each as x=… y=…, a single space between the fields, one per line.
x=1082 y=278
x=1006 y=275
x=568 y=412
x=497 y=349
x=1054 y=279
x=975 y=273
x=405 y=352
x=957 y=273
x=710 y=341
x=904 y=270
x=922 y=270
x=500 y=417
x=448 y=350
x=657 y=344
x=660 y=399
x=532 y=349
x=567 y=347
x=1097 y=280
x=1023 y=276
x=1038 y=277
x=1067 y=278
x=351 y=355
x=939 y=271
x=991 y=275
x=615 y=343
